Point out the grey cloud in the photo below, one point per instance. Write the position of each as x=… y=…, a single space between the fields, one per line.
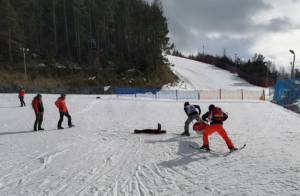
x=211 y=16
x=279 y=24
x=193 y=22
x=206 y=17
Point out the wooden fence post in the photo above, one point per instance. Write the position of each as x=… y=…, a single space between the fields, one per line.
x=242 y=95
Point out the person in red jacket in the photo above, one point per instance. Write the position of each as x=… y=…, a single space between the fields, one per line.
x=63 y=110
x=21 y=96
x=216 y=117
x=38 y=107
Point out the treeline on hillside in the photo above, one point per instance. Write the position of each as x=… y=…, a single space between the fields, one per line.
x=131 y=33
x=257 y=66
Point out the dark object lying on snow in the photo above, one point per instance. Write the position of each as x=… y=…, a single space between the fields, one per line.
x=98 y=97
x=157 y=131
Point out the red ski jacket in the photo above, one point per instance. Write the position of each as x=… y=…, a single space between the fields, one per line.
x=60 y=103
x=38 y=105
x=22 y=93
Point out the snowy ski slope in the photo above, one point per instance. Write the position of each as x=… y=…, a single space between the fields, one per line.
x=101 y=155
x=202 y=76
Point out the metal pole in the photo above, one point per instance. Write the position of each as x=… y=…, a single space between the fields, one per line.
x=267 y=78
x=25 y=67
x=293 y=71
x=235 y=63
x=294 y=66
x=268 y=74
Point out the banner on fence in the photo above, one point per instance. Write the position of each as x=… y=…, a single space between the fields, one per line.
x=287 y=91
x=209 y=94
x=221 y=94
x=232 y=94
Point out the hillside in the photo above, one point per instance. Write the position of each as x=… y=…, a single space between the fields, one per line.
x=202 y=76
x=53 y=76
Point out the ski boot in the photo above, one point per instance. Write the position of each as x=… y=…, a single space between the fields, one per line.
x=185 y=133
x=233 y=149
x=205 y=147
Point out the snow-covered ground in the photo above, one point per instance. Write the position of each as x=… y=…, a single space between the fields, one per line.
x=101 y=155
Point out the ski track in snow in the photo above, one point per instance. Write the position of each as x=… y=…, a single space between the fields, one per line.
x=101 y=155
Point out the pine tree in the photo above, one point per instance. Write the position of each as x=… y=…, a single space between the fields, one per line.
x=159 y=32
x=10 y=31
x=133 y=31
x=52 y=7
x=66 y=30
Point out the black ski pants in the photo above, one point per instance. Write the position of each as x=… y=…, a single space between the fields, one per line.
x=62 y=114
x=38 y=119
x=22 y=101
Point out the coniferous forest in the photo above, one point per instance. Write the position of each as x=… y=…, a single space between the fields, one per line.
x=104 y=34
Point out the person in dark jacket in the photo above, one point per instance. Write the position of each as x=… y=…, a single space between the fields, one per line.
x=38 y=107
x=21 y=96
x=63 y=111
x=192 y=114
x=216 y=125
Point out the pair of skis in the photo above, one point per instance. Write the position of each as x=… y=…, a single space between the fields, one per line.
x=212 y=151
x=198 y=148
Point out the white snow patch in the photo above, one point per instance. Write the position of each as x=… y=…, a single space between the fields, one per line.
x=202 y=76
x=92 y=78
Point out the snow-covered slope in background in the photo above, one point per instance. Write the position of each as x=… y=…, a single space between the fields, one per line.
x=202 y=76
x=101 y=155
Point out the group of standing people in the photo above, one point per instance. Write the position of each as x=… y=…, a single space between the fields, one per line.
x=215 y=116
x=38 y=107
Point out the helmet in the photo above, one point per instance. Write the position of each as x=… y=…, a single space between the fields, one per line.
x=186 y=103
x=38 y=95
x=63 y=95
x=211 y=107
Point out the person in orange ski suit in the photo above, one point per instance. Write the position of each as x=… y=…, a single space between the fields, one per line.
x=215 y=126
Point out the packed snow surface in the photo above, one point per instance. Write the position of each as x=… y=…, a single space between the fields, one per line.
x=102 y=156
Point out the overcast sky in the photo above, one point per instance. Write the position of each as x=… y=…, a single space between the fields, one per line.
x=245 y=27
